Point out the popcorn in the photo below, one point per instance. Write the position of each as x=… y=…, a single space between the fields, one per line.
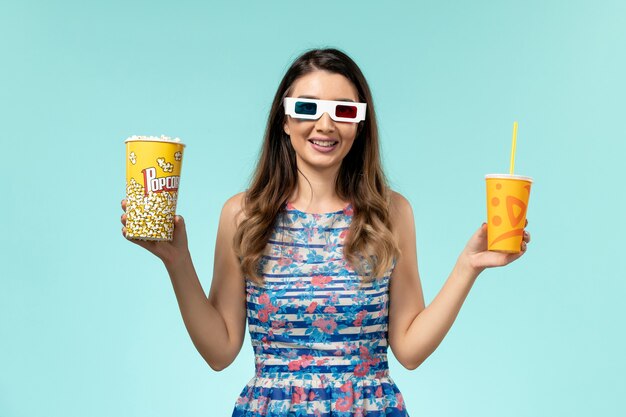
x=178 y=155
x=165 y=166
x=149 y=217
x=133 y=158
x=162 y=138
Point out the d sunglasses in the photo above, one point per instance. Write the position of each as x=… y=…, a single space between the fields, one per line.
x=311 y=109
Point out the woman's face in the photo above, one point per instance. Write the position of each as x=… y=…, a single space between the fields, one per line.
x=321 y=85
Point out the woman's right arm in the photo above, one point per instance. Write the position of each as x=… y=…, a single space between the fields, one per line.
x=215 y=324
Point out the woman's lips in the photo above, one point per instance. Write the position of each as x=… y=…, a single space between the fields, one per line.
x=323 y=149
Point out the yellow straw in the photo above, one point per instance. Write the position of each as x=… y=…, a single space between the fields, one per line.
x=513 y=148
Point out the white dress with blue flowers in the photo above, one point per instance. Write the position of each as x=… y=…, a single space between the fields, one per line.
x=320 y=338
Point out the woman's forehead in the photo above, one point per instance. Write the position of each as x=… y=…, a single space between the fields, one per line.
x=324 y=85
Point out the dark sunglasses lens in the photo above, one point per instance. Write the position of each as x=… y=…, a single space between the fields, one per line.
x=348 y=112
x=304 y=107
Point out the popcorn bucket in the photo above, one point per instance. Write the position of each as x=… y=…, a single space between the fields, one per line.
x=153 y=167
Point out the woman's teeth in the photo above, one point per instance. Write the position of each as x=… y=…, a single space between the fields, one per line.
x=326 y=143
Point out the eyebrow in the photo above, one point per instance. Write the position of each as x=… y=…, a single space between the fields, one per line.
x=317 y=98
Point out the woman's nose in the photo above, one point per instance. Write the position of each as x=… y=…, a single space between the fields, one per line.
x=325 y=123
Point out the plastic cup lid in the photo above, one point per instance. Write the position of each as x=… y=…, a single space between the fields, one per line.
x=509 y=177
x=162 y=138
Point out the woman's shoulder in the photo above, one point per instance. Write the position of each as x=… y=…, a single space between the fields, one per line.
x=233 y=207
x=400 y=211
x=236 y=201
x=399 y=204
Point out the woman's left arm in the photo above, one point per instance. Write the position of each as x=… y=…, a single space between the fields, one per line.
x=415 y=331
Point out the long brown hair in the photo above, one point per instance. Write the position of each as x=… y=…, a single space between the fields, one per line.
x=369 y=247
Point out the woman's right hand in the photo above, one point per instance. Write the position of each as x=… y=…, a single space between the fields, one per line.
x=168 y=251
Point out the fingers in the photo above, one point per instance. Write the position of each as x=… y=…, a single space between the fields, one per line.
x=525 y=241
x=179 y=223
x=482 y=230
x=123 y=218
x=526 y=238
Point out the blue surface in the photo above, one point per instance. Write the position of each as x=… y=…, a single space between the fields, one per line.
x=89 y=324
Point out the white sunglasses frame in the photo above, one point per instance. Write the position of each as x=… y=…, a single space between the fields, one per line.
x=324 y=106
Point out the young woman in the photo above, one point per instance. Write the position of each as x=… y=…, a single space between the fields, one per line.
x=319 y=256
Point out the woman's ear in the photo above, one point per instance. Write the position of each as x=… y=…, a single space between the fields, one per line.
x=286 y=127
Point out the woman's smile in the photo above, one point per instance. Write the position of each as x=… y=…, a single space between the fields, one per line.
x=323 y=145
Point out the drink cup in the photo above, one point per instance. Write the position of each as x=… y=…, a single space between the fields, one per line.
x=507 y=203
x=153 y=167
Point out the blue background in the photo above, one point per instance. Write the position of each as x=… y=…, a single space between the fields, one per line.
x=89 y=324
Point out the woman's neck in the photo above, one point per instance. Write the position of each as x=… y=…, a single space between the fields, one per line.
x=316 y=191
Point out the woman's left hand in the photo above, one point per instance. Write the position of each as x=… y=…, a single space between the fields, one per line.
x=477 y=257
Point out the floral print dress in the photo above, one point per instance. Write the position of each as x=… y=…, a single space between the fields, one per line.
x=318 y=333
